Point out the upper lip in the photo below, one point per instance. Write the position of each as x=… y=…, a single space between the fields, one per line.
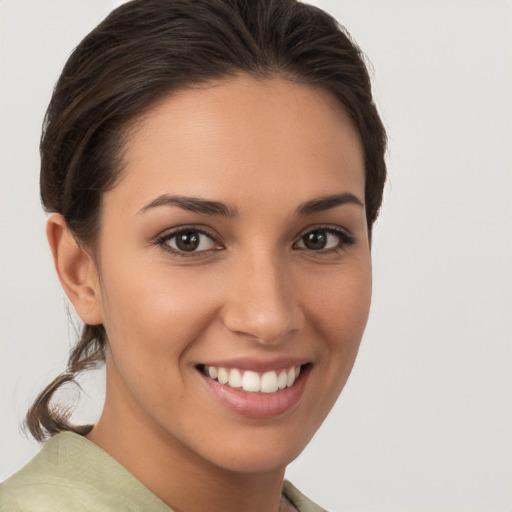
x=257 y=365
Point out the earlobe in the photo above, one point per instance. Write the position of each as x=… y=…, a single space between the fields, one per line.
x=76 y=269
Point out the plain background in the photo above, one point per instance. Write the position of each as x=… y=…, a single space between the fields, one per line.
x=425 y=421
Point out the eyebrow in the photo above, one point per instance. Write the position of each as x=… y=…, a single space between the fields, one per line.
x=193 y=204
x=323 y=203
x=204 y=206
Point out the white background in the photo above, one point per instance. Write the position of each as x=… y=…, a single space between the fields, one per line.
x=425 y=422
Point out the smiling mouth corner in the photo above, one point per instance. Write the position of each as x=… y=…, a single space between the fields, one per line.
x=272 y=381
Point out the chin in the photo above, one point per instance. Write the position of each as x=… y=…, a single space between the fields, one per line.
x=260 y=462
x=258 y=453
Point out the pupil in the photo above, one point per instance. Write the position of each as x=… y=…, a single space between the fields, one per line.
x=316 y=240
x=188 y=241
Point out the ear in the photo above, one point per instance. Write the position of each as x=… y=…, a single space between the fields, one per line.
x=76 y=269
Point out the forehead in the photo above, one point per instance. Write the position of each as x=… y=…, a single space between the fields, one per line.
x=243 y=139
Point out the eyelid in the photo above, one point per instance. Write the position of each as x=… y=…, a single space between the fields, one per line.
x=346 y=238
x=168 y=234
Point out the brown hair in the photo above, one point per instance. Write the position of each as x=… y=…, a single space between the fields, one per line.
x=142 y=52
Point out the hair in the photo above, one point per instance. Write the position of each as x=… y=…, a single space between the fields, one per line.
x=141 y=53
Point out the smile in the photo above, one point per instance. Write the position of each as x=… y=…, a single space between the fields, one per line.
x=256 y=389
x=250 y=381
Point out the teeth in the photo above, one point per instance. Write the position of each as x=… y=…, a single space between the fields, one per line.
x=235 y=378
x=282 y=379
x=290 y=378
x=268 y=382
x=251 y=381
x=222 y=375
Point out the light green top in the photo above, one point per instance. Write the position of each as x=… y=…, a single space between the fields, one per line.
x=71 y=474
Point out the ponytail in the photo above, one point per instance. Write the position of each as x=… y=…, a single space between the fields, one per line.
x=45 y=419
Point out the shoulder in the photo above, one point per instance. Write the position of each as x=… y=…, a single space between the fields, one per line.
x=301 y=502
x=71 y=473
x=49 y=481
x=45 y=494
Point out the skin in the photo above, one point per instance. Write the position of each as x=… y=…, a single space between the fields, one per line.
x=264 y=148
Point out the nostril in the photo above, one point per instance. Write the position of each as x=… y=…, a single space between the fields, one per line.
x=264 y=309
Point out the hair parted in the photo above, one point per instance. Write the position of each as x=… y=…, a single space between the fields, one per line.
x=142 y=52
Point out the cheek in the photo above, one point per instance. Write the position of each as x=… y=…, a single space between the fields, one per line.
x=137 y=312
x=338 y=312
x=339 y=303
x=151 y=322
x=153 y=318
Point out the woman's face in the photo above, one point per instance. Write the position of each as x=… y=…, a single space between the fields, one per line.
x=235 y=247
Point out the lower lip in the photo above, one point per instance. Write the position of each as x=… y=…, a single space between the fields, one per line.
x=259 y=405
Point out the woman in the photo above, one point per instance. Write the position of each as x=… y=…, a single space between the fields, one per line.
x=213 y=170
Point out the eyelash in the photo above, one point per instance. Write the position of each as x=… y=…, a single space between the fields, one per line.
x=345 y=240
x=163 y=240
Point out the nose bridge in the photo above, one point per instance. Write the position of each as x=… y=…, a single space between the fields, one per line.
x=262 y=303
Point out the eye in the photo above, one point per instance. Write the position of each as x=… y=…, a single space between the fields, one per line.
x=324 y=239
x=187 y=240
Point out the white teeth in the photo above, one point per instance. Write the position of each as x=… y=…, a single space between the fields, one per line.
x=235 y=378
x=251 y=381
x=290 y=378
x=268 y=382
x=281 y=380
x=222 y=375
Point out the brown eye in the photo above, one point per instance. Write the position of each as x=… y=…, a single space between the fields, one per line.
x=324 y=239
x=316 y=240
x=188 y=241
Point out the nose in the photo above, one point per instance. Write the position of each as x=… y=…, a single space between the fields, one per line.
x=262 y=303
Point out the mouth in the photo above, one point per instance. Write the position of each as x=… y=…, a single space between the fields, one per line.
x=250 y=381
x=256 y=392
